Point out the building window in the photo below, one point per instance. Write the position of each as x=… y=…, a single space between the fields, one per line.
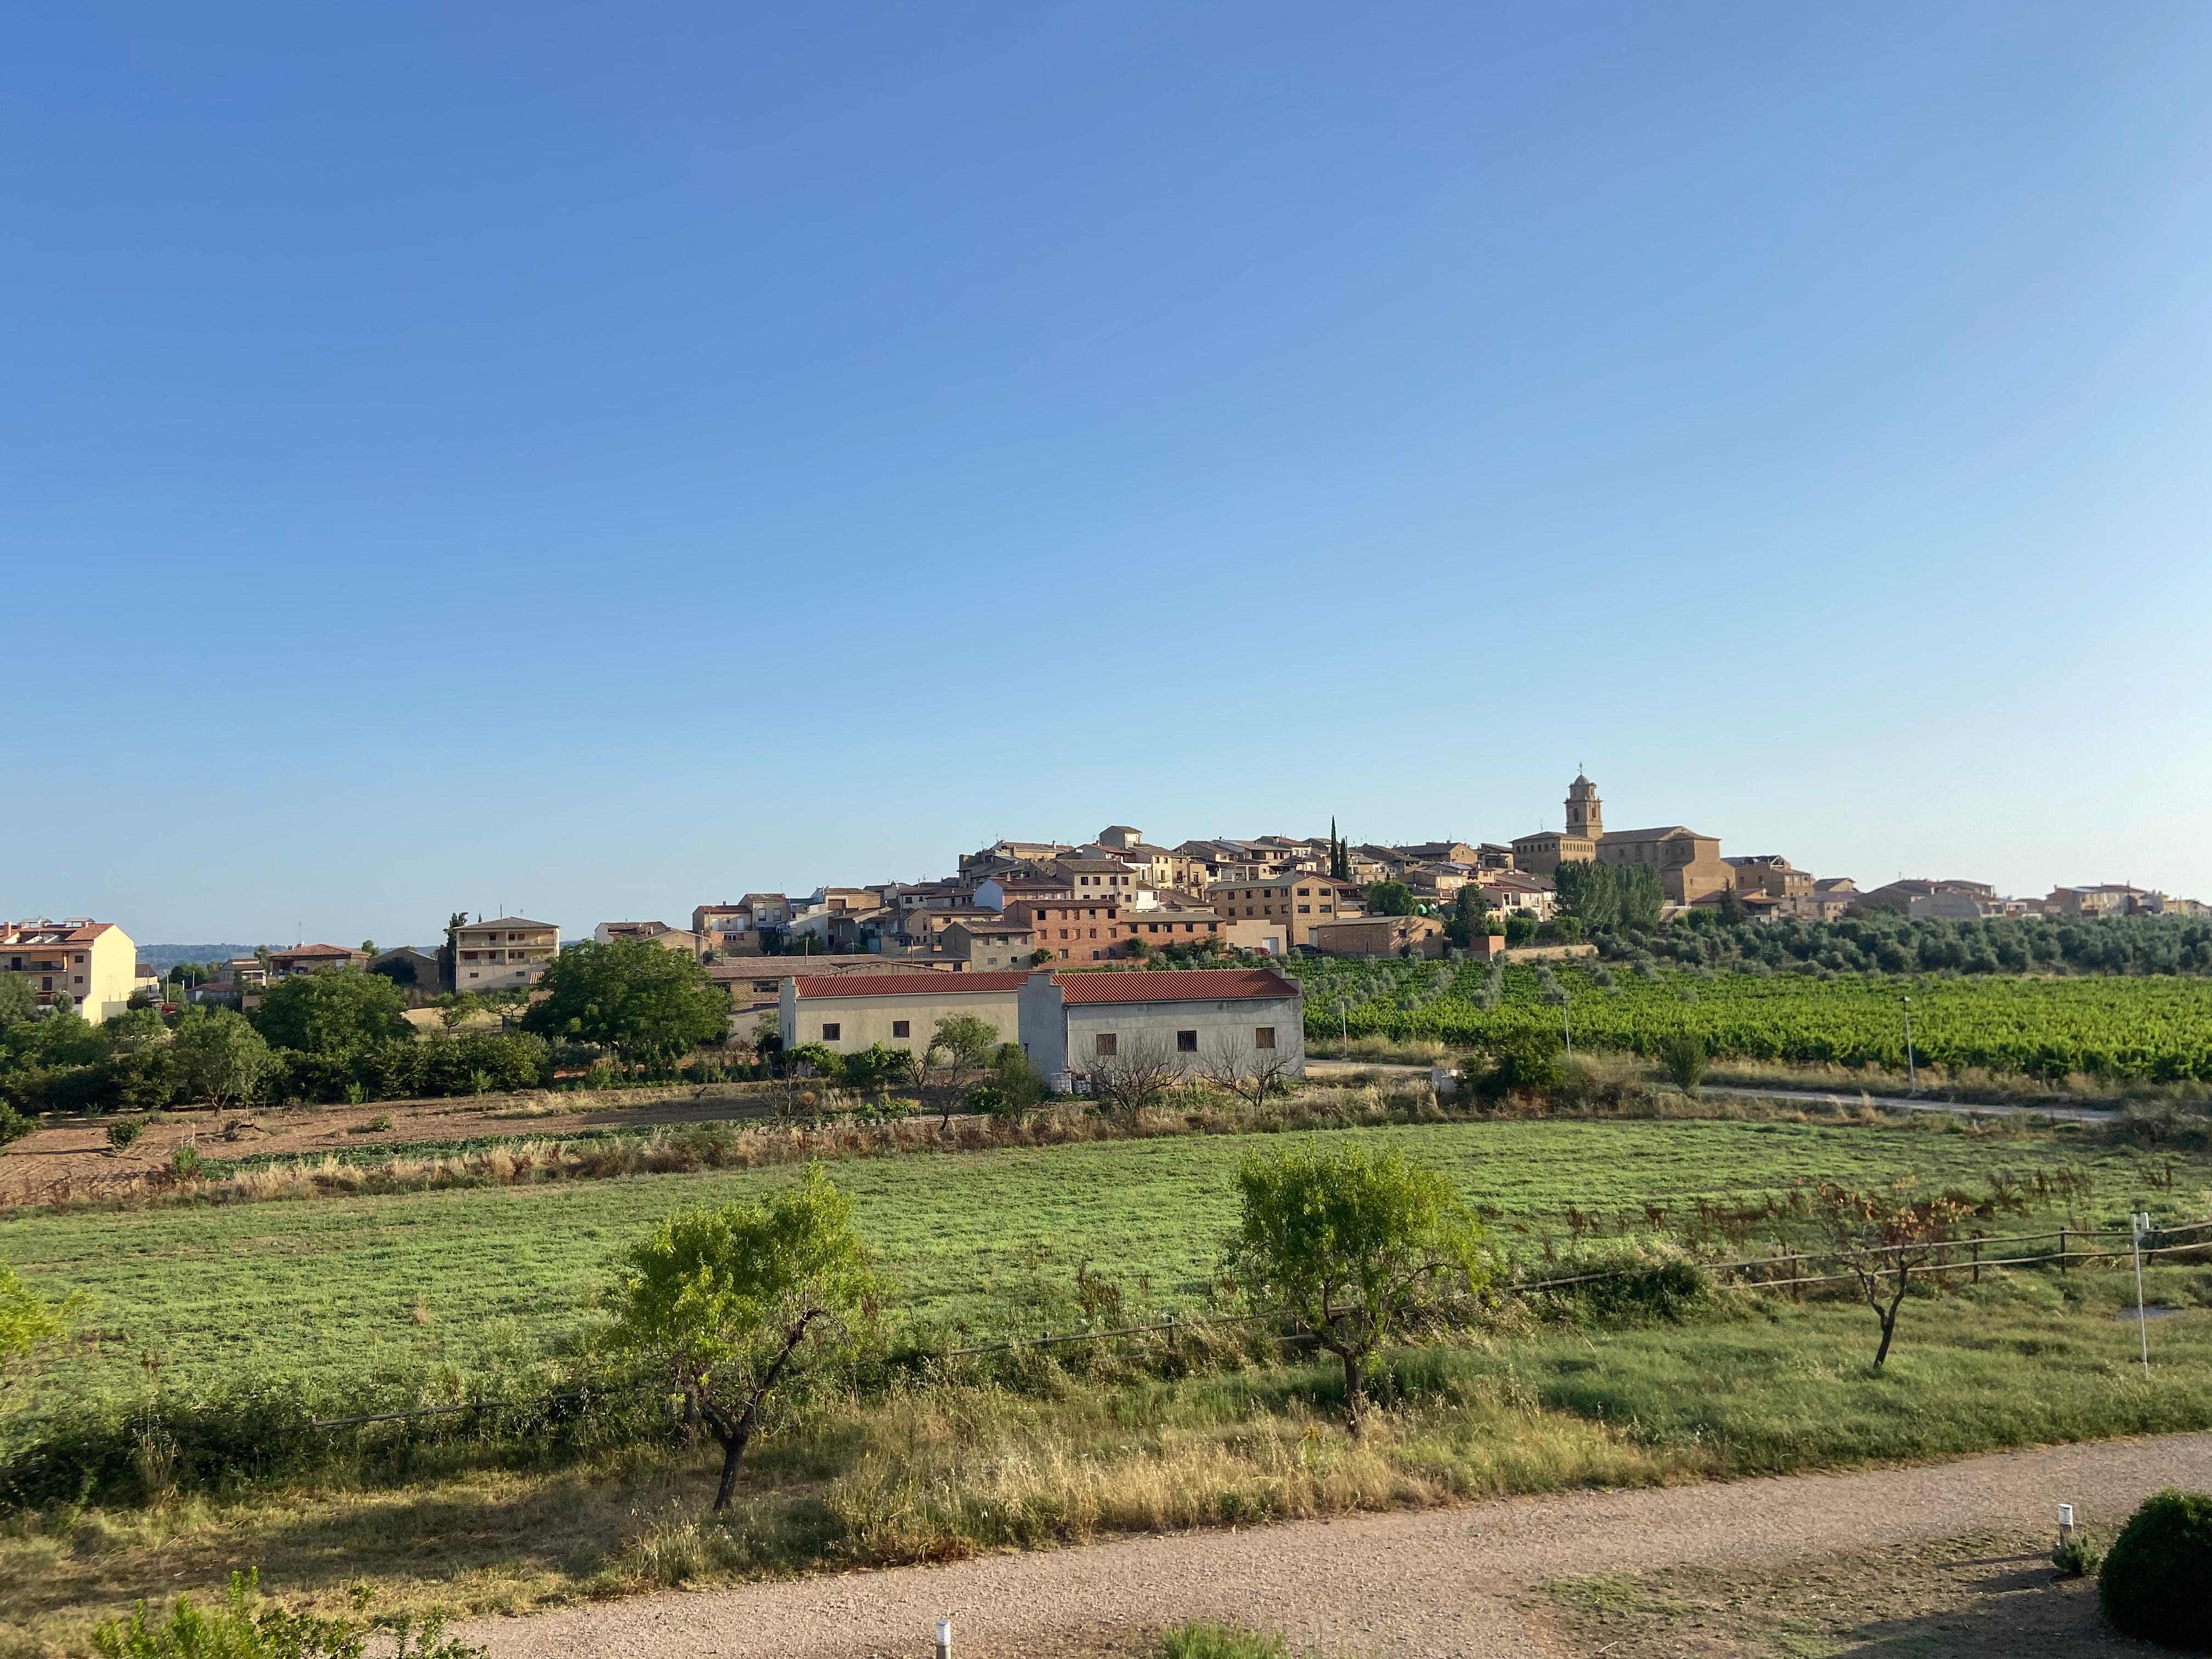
x=1104 y=1044
x=901 y=1028
x=830 y=1030
x=1263 y=1036
x=1186 y=1042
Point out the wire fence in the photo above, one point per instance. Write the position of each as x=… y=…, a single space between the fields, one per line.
x=1781 y=1270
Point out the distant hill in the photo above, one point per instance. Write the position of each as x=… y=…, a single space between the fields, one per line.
x=166 y=956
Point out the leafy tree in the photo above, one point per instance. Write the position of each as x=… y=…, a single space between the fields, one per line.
x=1731 y=907
x=1525 y=1060
x=729 y=1304
x=14 y=1126
x=1354 y=1246
x=19 y=1000
x=1589 y=891
x=1470 y=915
x=1391 y=898
x=29 y=1324
x=221 y=1057
x=965 y=1041
x=1640 y=895
x=965 y=1044
x=648 y=1005
x=1013 y=1085
x=338 y=1012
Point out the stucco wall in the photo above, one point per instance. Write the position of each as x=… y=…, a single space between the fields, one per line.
x=1216 y=1023
x=862 y=1022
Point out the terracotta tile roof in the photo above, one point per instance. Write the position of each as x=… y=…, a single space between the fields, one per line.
x=1175 y=985
x=813 y=986
x=313 y=951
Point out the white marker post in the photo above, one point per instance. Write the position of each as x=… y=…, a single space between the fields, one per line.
x=2140 y=1222
x=944 y=1638
x=2065 y=1522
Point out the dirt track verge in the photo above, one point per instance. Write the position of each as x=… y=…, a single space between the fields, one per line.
x=1455 y=1582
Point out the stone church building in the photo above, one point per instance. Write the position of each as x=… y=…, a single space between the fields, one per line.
x=1690 y=864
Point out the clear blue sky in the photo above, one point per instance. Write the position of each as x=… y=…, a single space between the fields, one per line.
x=598 y=459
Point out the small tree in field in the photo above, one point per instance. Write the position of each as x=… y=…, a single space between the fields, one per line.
x=1354 y=1246
x=1682 y=1056
x=963 y=1045
x=730 y=1303
x=1882 y=1238
x=221 y=1057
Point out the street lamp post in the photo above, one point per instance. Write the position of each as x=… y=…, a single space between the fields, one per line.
x=1911 y=1071
x=2139 y=1224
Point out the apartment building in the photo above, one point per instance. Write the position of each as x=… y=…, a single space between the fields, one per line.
x=503 y=953
x=94 y=964
x=1072 y=929
x=1300 y=901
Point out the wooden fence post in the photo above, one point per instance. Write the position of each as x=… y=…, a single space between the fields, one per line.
x=2062 y=1249
x=1978 y=1258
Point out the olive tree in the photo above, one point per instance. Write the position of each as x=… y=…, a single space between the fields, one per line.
x=220 y=1056
x=729 y=1304
x=1355 y=1247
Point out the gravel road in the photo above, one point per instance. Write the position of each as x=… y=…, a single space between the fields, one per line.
x=1420 y=1585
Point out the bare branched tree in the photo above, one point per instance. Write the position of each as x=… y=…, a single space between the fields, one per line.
x=1255 y=1075
x=1140 y=1074
x=1883 y=1238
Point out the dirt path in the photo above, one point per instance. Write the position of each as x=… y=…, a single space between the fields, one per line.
x=1413 y=1586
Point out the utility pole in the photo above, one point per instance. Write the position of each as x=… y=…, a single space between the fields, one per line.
x=1911 y=1071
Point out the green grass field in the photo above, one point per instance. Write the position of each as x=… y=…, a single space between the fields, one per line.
x=392 y=1286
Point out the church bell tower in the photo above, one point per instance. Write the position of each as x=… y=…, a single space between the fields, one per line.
x=1585 y=811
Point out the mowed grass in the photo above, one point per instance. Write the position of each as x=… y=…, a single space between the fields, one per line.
x=359 y=1289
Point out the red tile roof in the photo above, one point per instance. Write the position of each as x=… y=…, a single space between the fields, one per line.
x=816 y=986
x=1176 y=985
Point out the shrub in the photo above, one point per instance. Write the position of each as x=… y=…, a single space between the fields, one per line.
x=2157 y=1578
x=14 y=1126
x=1653 y=1280
x=2078 y=1556
x=124 y=1131
x=1682 y=1056
x=1528 y=1060
x=1199 y=1640
x=247 y=1626
x=185 y=1162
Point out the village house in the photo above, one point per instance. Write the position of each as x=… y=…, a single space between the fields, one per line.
x=503 y=953
x=1293 y=903
x=94 y=964
x=989 y=944
x=1192 y=1018
x=291 y=962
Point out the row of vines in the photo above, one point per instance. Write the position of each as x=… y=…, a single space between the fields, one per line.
x=2155 y=1027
